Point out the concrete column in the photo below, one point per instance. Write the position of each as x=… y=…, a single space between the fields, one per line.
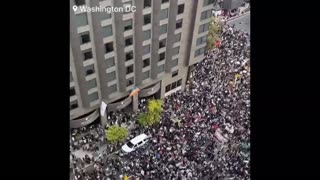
x=135 y=103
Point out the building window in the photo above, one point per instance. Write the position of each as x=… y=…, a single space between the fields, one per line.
x=146 y=35
x=175 y=73
x=162 y=43
x=89 y=70
x=206 y=14
x=85 y=38
x=173 y=85
x=179 y=24
x=127 y=24
x=109 y=47
x=73 y=105
x=72 y=91
x=176 y=50
x=165 y=1
x=113 y=88
x=146 y=62
x=178 y=37
x=79 y=2
x=146 y=49
x=179 y=83
x=71 y=77
x=147 y=3
x=202 y=40
x=204 y=27
x=129 y=3
x=129 y=55
x=199 y=52
x=92 y=83
x=168 y=88
x=107 y=31
x=129 y=69
x=110 y=62
x=163 y=29
x=130 y=81
x=94 y=96
x=164 y=14
x=146 y=19
x=161 y=68
x=111 y=76
x=207 y=2
x=129 y=41
x=180 y=8
x=81 y=19
x=162 y=56
x=87 y=55
x=105 y=15
x=146 y=75
x=175 y=62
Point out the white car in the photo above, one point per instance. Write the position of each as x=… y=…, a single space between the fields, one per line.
x=135 y=143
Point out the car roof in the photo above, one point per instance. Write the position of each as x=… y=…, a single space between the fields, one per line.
x=138 y=138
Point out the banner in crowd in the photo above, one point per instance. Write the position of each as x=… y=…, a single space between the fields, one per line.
x=103 y=108
x=134 y=91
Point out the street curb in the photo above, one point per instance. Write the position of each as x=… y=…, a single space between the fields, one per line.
x=238 y=16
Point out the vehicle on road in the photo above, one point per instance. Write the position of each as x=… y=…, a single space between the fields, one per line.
x=135 y=143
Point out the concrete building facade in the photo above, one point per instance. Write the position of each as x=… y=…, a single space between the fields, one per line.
x=153 y=48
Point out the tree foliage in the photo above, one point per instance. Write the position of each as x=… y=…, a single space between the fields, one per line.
x=116 y=134
x=143 y=119
x=153 y=116
x=215 y=30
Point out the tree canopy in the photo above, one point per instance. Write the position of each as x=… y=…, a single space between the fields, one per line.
x=116 y=134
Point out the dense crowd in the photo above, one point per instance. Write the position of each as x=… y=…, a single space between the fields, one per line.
x=204 y=131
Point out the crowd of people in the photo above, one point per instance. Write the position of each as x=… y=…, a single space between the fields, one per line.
x=204 y=130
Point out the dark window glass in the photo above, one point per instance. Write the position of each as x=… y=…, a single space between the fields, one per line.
x=179 y=83
x=79 y=2
x=72 y=91
x=175 y=73
x=129 y=69
x=180 y=8
x=147 y=3
x=128 y=25
x=146 y=62
x=129 y=56
x=130 y=81
x=129 y=41
x=162 y=43
x=85 y=38
x=179 y=24
x=164 y=1
x=73 y=105
x=168 y=88
x=87 y=55
x=162 y=56
x=173 y=85
x=146 y=19
x=109 y=47
x=89 y=69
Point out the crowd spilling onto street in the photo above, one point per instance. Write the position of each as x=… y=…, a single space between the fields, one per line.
x=204 y=131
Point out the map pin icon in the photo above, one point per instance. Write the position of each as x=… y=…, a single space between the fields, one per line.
x=74 y=8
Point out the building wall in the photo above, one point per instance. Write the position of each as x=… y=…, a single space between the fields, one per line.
x=187 y=44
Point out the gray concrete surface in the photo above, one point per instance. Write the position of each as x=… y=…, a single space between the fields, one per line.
x=241 y=22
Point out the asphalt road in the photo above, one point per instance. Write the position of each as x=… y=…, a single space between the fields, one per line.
x=242 y=22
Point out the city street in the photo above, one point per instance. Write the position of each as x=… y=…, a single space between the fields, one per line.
x=242 y=22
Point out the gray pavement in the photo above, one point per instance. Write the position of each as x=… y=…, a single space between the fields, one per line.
x=242 y=22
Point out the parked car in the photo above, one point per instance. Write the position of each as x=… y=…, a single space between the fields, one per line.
x=135 y=143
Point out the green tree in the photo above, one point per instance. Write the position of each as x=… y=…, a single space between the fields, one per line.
x=116 y=134
x=153 y=116
x=143 y=119
x=215 y=30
